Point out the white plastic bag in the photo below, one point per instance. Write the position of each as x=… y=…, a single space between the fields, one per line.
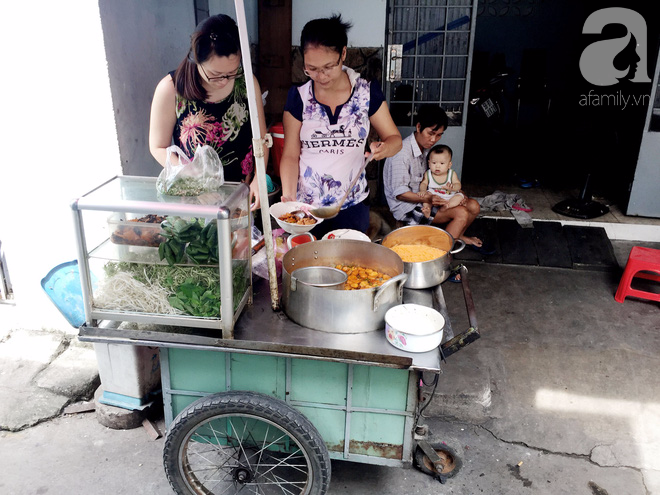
x=260 y=260
x=185 y=177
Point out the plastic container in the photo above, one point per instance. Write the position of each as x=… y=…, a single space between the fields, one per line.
x=62 y=285
x=298 y=239
x=414 y=328
x=135 y=230
x=129 y=374
x=277 y=132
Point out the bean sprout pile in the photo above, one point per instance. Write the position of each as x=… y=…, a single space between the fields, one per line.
x=123 y=292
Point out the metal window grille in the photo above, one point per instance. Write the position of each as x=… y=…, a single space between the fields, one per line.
x=434 y=37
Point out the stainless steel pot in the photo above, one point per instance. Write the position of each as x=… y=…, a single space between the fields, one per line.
x=341 y=311
x=425 y=274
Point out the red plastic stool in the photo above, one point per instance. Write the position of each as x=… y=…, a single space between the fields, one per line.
x=641 y=260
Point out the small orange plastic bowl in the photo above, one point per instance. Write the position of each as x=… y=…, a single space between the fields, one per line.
x=298 y=239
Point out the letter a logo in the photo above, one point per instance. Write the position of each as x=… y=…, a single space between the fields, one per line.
x=606 y=62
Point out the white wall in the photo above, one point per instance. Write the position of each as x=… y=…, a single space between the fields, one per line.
x=367 y=16
x=59 y=141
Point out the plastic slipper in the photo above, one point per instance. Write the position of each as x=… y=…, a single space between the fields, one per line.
x=484 y=249
x=523 y=207
x=454 y=278
x=530 y=183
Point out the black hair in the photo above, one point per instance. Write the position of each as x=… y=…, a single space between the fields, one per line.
x=330 y=32
x=439 y=148
x=216 y=35
x=430 y=115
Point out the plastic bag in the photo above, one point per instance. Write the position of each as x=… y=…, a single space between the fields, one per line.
x=260 y=260
x=202 y=174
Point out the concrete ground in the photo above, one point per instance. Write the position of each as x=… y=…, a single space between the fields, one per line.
x=559 y=396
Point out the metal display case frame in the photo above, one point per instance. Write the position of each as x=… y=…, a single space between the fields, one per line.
x=138 y=195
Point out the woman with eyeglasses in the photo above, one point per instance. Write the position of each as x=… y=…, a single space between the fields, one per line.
x=326 y=125
x=204 y=102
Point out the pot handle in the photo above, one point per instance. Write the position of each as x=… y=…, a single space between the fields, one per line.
x=462 y=246
x=399 y=279
x=293 y=283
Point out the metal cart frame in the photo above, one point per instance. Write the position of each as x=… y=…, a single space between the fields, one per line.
x=357 y=390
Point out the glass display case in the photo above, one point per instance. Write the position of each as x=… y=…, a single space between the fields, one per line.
x=147 y=257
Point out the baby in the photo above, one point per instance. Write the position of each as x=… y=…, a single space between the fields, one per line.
x=441 y=180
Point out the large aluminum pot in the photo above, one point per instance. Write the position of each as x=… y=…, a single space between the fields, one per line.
x=425 y=274
x=341 y=311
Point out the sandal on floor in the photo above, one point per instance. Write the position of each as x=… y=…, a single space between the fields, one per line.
x=454 y=278
x=484 y=249
x=522 y=207
x=530 y=183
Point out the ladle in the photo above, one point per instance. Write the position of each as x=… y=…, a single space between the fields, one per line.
x=332 y=211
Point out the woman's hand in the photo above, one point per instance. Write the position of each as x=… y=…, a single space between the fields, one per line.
x=388 y=132
x=383 y=149
x=255 y=201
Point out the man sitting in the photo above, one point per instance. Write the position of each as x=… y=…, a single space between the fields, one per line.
x=404 y=172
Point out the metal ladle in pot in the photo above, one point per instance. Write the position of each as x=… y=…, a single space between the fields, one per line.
x=333 y=211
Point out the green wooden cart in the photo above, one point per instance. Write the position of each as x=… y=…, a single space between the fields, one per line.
x=265 y=412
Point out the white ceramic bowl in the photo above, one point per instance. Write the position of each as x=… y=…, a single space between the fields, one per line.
x=413 y=327
x=279 y=209
x=347 y=234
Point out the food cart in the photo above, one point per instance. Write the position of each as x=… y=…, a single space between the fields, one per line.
x=252 y=399
x=254 y=402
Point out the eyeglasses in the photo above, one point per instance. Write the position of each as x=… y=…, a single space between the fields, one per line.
x=228 y=77
x=325 y=70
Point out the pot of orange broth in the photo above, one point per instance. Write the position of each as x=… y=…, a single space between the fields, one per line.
x=426 y=253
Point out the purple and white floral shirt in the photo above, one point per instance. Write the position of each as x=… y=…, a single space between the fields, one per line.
x=332 y=146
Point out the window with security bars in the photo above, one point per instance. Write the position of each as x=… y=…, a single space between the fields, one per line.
x=434 y=49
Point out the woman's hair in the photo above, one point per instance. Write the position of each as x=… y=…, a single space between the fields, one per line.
x=329 y=32
x=216 y=35
x=439 y=148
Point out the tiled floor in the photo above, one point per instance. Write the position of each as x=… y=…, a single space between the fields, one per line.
x=617 y=225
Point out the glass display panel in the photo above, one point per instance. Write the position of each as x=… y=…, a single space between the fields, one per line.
x=161 y=255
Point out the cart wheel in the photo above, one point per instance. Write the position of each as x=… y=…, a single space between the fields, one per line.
x=234 y=441
x=452 y=462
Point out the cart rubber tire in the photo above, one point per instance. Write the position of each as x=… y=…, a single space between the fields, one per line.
x=452 y=466
x=245 y=441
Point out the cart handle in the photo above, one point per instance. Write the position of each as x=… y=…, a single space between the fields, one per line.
x=472 y=333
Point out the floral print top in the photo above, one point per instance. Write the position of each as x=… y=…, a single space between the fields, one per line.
x=332 y=146
x=224 y=125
